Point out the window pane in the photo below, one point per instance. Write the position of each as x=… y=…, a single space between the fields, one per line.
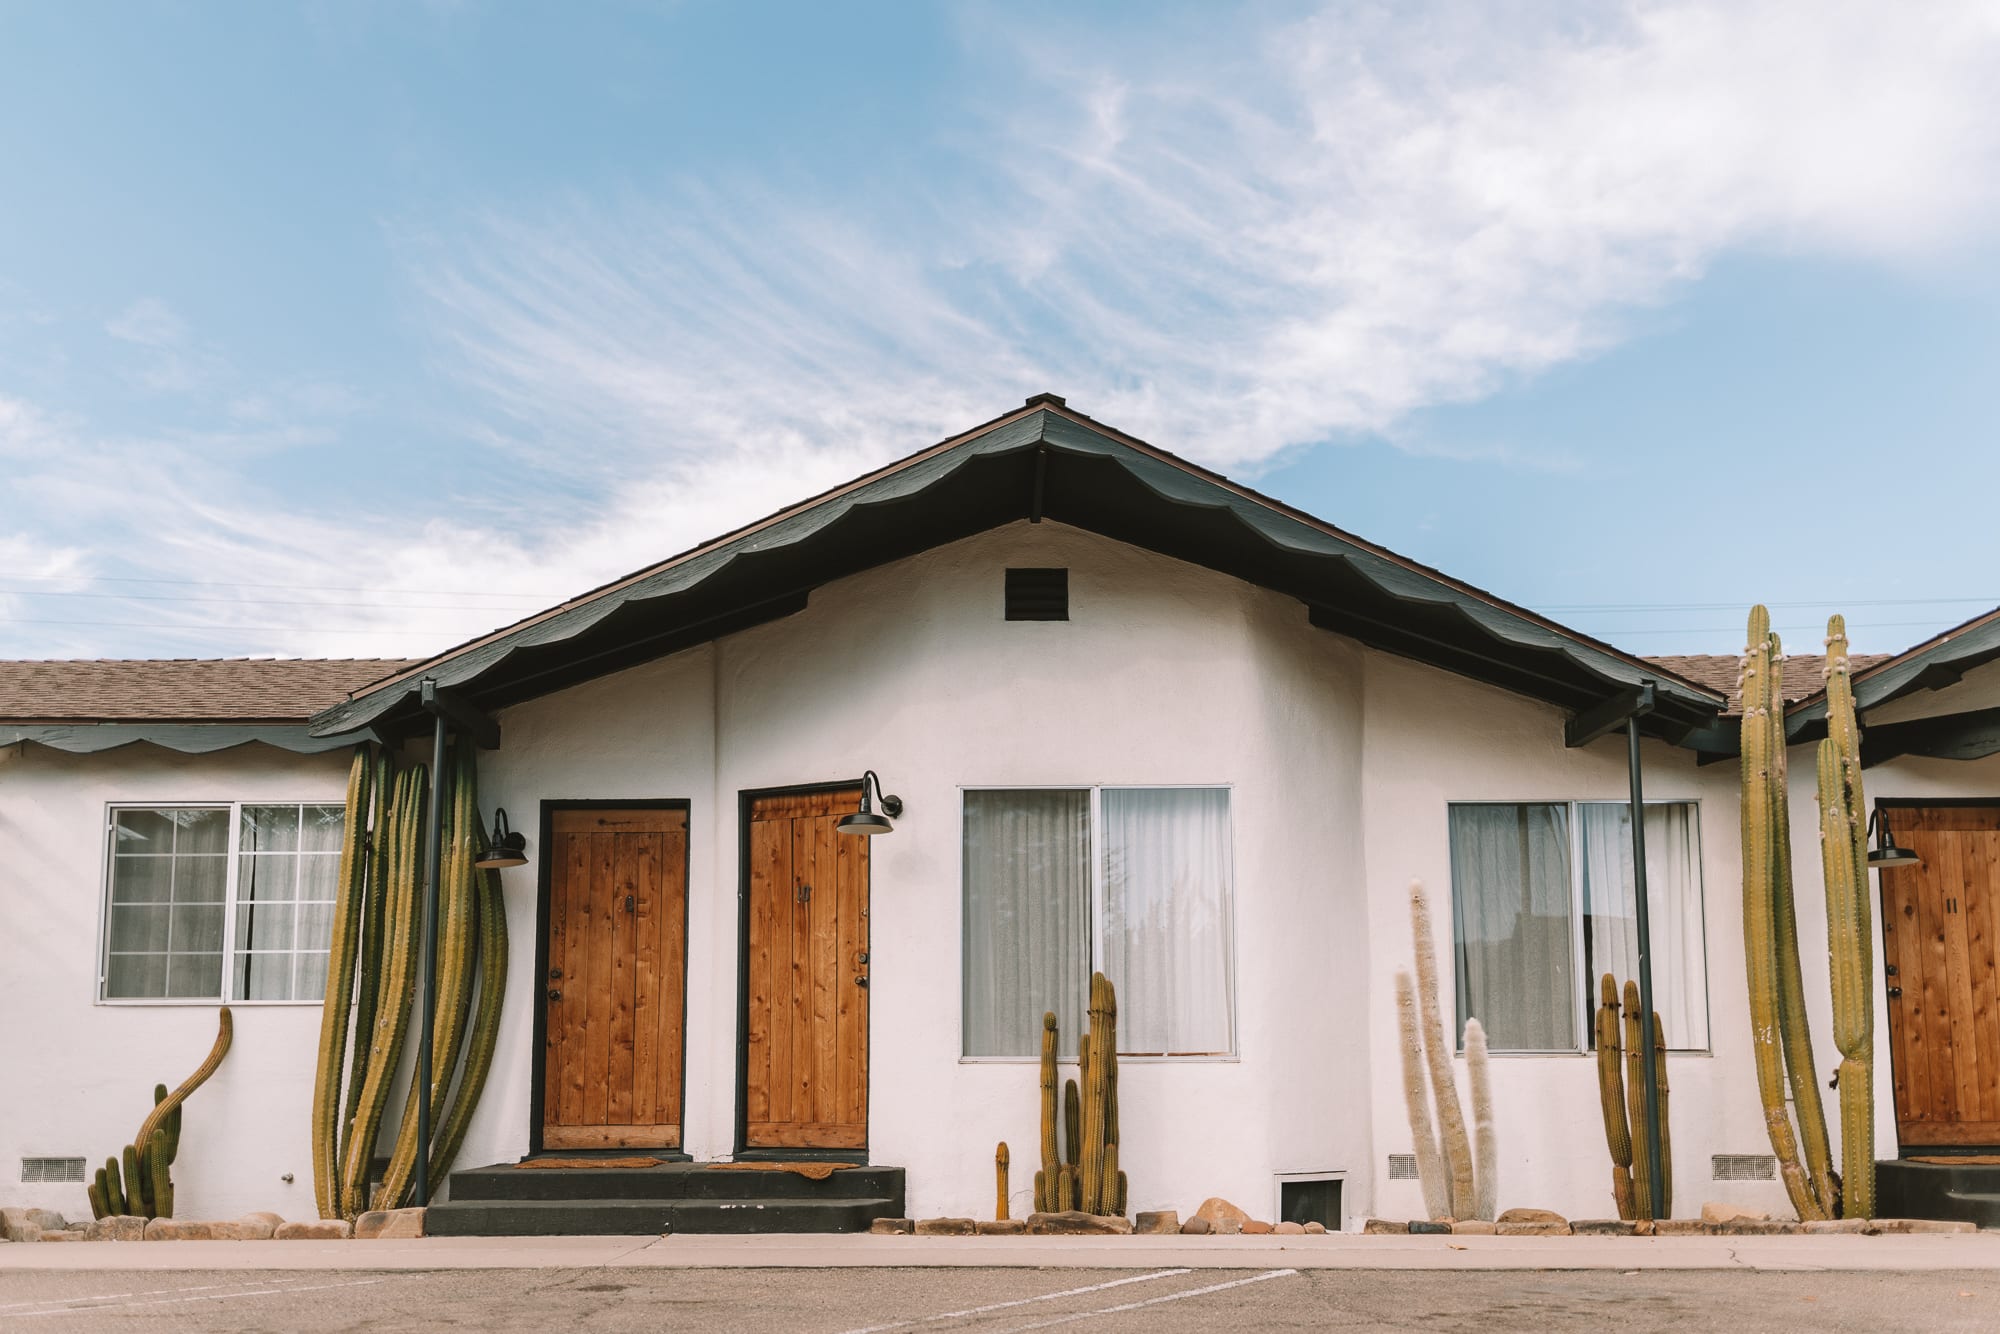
x=320 y=828
x=144 y=831
x=197 y=927
x=267 y=878
x=136 y=976
x=263 y=926
x=319 y=878
x=1510 y=880
x=1673 y=900
x=138 y=927
x=1166 y=917
x=264 y=976
x=270 y=829
x=200 y=879
x=312 y=977
x=1027 y=918
x=202 y=831
x=141 y=879
x=194 y=975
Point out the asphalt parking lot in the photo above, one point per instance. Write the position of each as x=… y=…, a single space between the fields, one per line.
x=877 y=1301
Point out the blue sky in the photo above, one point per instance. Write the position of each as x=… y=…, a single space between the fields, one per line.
x=353 y=329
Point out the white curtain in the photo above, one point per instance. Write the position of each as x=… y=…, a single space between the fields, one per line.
x=1673 y=898
x=1511 y=924
x=1027 y=918
x=1166 y=918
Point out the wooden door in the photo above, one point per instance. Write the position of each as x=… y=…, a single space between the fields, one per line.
x=1940 y=922
x=614 y=990
x=806 y=970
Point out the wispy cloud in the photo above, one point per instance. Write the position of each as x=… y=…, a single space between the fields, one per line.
x=1236 y=243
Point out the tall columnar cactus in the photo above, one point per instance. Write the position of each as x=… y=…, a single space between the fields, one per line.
x=1445 y=1163
x=1051 y=1158
x=1621 y=1088
x=1611 y=1092
x=1001 y=1158
x=1087 y=1176
x=1849 y=930
x=1780 y=1040
x=343 y=949
x=1485 y=1135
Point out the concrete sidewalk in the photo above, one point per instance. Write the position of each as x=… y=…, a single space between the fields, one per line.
x=1977 y=1251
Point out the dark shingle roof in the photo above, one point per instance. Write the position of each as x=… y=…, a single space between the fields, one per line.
x=1803 y=676
x=182 y=689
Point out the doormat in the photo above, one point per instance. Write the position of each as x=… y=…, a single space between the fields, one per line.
x=588 y=1162
x=810 y=1171
x=1958 y=1159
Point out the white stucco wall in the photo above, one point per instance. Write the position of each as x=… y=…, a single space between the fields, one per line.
x=80 y=1074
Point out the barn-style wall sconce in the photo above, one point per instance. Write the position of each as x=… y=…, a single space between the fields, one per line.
x=866 y=820
x=505 y=848
x=1886 y=853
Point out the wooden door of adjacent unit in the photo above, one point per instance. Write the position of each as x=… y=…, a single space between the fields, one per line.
x=1940 y=923
x=806 y=974
x=614 y=990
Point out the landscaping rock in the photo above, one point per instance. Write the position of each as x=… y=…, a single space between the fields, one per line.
x=1222 y=1217
x=1002 y=1227
x=892 y=1227
x=1888 y=1227
x=1195 y=1227
x=1642 y=1227
x=1256 y=1228
x=178 y=1229
x=67 y=1234
x=1531 y=1216
x=389 y=1224
x=1157 y=1222
x=1758 y=1227
x=1315 y=1229
x=1076 y=1223
x=1713 y=1212
x=1604 y=1227
x=1288 y=1229
x=1431 y=1227
x=1383 y=1227
x=315 y=1229
x=1532 y=1229
x=947 y=1227
x=1821 y=1227
x=1473 y=1227
x=118 y=1227
x=1683 y=1227
x=30 y=1224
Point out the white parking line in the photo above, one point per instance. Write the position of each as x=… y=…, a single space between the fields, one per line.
x=1024 y=1301
x=121 y=1296
x=215 y=1297
x=1155 y=1301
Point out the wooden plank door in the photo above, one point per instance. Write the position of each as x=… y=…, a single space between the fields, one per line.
x=614 y=990
x=1940 y=924
x=806 y=972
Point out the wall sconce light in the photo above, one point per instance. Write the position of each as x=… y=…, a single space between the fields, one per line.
x=1886 y=853
x=865 y=820
x=505 y=848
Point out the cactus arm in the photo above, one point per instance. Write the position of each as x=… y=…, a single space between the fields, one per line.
x=1635 y=1102
x=1452 y=1139
x=1611 y=1095
x=1849 y=928
x=337 y=1005
x=95 y=1190
x=170 y=1108
x=1050 y=1156
x=1664 y=1191
x=1416 y=1100
x=1486 y=1139
x=1072 y=1122
x=368 y=954
x=114 y=1188
x=1092 y=1166
x=485 y=1036
x=138 y=1182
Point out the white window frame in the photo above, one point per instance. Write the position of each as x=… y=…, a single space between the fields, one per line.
x=1091 y=850
x=229 y=903
x=1584 y=1005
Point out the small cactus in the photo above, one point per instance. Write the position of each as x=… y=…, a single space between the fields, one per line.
x=1000 y=1161
x=1621 y=1090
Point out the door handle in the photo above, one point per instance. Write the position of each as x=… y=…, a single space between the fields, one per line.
x=631 y=903
x=1895 y=992
x=554 y=995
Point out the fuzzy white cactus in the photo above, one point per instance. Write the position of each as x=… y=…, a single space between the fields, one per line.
x=1454 y=1185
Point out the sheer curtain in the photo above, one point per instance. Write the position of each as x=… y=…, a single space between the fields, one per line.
x=1166 y=918
x=1673 y=897
x=1027 y=918
x=1511 y=924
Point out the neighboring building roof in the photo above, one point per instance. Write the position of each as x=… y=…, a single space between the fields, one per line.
x=1804 y=673
x=182 y=689
x=1041 y=460
x=1937 y=662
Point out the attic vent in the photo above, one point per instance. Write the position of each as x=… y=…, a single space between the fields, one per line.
x=50 y=1171
x=1037 y=595
x=1745 y=1167
x=1402 y=1167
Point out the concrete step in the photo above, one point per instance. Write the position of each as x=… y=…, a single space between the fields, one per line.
x=1968 y=1192
x=669 y=1181
x=626 y=1217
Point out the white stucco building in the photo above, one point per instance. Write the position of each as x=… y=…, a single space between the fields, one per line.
x=1138 y=720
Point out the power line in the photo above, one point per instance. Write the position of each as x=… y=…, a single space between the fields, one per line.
x=302 y=588
x=1744 y=606
x=210 y=629
x=253 y=602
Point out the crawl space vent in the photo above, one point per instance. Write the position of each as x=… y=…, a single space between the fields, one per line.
x=1402 y=1167
x=49 y=1171
x=1037 y=595
x=1745 y=1167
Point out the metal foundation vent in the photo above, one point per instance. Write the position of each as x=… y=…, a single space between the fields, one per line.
x=1402 y=1167
x=51 y=1171
x=1745 y=1167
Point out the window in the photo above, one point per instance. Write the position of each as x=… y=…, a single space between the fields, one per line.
x=179 y=904
x=1542 y=905
x=1138 y=880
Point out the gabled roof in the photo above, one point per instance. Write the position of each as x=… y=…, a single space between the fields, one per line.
x=1803 y=674
x=1040 y=461
x=1937 y=662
